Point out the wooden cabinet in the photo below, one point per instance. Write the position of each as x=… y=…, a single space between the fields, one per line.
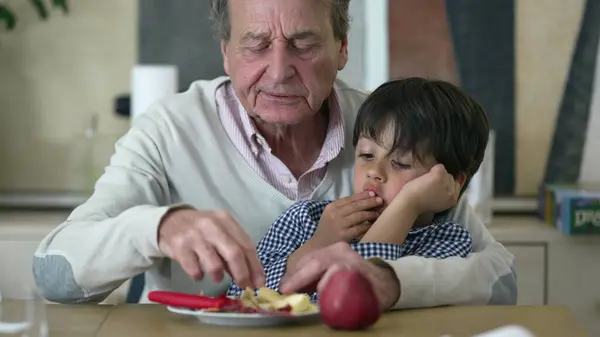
x=553 y=268
x=531 y=269
x=574 y=280
x=15 y=266
x=20 y=235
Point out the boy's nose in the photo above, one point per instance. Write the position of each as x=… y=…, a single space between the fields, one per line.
x=376 y=173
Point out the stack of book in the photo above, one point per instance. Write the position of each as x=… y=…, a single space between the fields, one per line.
x=572 y=209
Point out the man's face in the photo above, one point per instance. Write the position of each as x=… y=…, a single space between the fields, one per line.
x=282 y=57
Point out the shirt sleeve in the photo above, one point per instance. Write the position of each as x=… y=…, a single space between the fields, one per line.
x=486 y=276
x=372 y=249
x=385 y=251
x=284 y=236
x=442 y=241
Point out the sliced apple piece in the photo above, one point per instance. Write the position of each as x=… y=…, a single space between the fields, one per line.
x=268 y=295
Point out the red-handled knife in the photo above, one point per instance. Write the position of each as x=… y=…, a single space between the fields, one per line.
x=220 y=303
x=191 y=301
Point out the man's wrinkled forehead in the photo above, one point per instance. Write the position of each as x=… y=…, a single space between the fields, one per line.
x=260 y=19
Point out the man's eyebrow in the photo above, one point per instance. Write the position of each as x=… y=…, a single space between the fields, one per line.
x=258 y=36
x=253 y=36
x=304 y=34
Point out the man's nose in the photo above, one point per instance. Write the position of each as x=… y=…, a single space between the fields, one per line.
x=280 y=67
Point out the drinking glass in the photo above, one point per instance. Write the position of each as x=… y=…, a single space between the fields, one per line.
x=22 y=312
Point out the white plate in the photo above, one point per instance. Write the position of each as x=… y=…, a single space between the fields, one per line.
x=246 y=320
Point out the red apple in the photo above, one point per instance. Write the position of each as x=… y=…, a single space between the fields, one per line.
x=348 y=301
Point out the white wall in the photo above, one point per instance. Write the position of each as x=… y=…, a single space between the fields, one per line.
x=54 y=74
x=368 y=64
x=354 y=71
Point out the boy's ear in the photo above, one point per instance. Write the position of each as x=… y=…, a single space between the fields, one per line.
x=461 y=178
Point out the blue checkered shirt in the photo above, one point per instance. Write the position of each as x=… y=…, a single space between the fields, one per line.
x=299 y=223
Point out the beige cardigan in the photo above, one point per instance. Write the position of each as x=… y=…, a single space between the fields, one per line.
x=178 y=153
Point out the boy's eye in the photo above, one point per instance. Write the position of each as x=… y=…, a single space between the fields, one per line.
x=365 y=155
x=400 y=165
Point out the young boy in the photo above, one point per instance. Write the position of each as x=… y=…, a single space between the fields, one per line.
x=406 y=129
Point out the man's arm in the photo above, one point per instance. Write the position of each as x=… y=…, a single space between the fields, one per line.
x=284 y=236
x=484 y=277
x=113 y=235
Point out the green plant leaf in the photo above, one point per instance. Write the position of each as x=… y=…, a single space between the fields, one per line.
x=62 y=4
x=40 y=8
x=7 y=15
x=10 y=19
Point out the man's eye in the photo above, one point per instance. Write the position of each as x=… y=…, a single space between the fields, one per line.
x=257 y=47
x=303 y=47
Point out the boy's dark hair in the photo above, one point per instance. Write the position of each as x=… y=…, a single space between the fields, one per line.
x=430 y=117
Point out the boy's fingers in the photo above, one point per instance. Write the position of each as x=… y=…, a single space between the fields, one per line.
x=340 y=203
x=361 y=205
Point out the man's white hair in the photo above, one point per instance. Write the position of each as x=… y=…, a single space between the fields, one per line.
x=340 y=18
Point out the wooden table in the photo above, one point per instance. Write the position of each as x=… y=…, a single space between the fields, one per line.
x=148 y=320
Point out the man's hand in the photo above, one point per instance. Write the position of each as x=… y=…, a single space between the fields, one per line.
x=318 y=266
x=211 y=242
x=435 y=191
x=346 y=219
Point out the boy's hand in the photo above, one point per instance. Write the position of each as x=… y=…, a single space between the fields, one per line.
x=346 y=219
x=434 y=191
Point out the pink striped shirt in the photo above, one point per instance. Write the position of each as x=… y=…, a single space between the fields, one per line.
x=257 y=153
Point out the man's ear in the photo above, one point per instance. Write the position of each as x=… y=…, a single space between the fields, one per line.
x=343 y=58
x=224 y=46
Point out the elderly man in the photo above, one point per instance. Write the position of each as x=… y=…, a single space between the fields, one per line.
x=199 y=178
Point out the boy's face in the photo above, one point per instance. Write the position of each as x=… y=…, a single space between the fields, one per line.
x=385 y=173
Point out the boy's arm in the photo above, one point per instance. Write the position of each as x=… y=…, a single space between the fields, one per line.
x=387 y=240
x=285 y=235
x=393 y=224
